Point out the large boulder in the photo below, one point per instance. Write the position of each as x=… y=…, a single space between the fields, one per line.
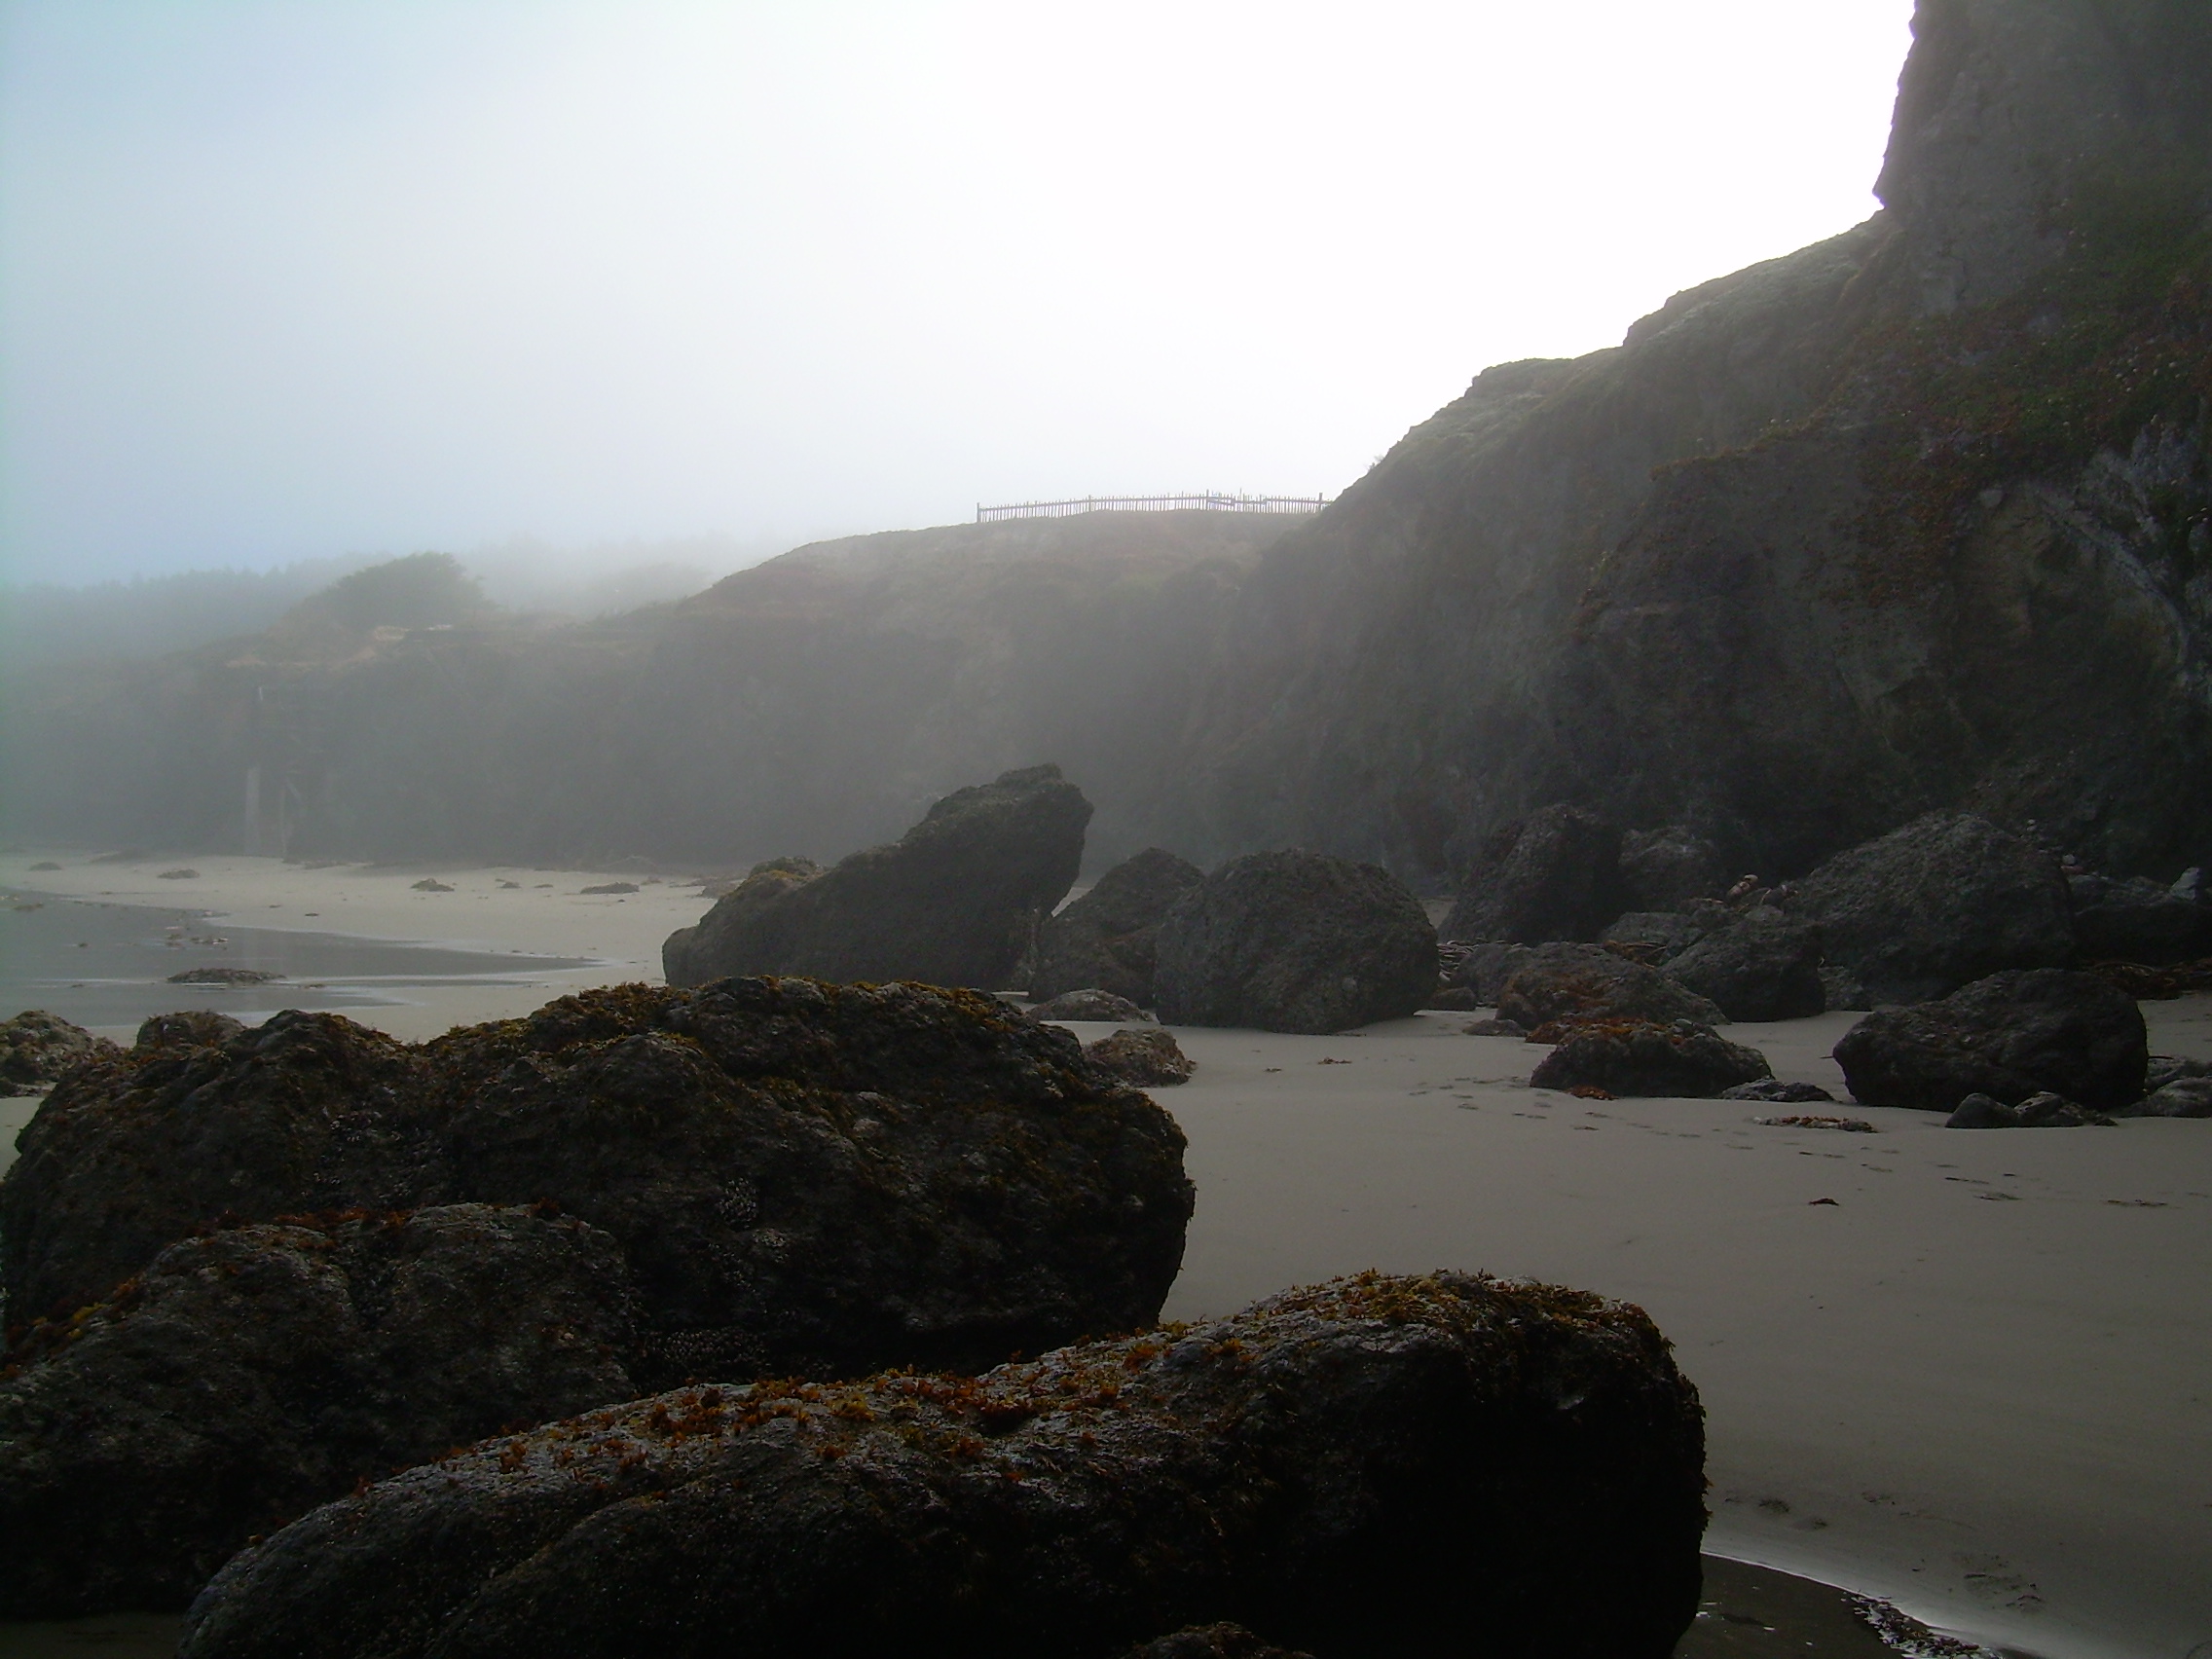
x=2009 y=1036
x=1142 y=1059
x=1295 y=942
x=36 y=1047
x=253 y=1373
x=1375 y=1467
x=1555 y=874
x=774 y=1177
x=955 y=901
x=2134 y=921
x=1587 y=981
x=1763 y=965
x=1664 y=869
x=1944 y=901
x=1677 y=1061
x=802 y=1178
x=1106 y=939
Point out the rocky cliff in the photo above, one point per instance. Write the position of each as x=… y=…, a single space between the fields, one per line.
x=1920 y=516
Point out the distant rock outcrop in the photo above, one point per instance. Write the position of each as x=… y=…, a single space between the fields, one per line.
x=1947 y=900
x=1665 y=869
x=36 y=1047
x=1295 y=942
x=1280 y=1467
x=1107 y=937
x=2009 y=1036
x=954 y=901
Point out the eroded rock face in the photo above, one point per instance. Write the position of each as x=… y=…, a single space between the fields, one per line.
x=1554 y=875
x=1947 y=900
x=802 y=1178
x=253 y=1373
x=1665 y=869
x=36 y=1047
x=954 y=901
x=1641 y=1059
x=1587 y=981
x=1275 y=1469
x=2009 y=1036
x=1108 y=938
x=1763 y=965
x=1295 y=942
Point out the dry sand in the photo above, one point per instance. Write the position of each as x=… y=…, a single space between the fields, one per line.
x=1979 y=1382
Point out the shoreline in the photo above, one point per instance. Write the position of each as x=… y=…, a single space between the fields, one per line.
x=1972 y=1385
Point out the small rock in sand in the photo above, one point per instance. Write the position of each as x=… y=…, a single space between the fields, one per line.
x=1775 y=1089
x=2044 y=1111
x=1496 y=1029
x=431 y=884
x=1640 y=1058
x=1148 y=1059
x=223 y=977
x=178 y=876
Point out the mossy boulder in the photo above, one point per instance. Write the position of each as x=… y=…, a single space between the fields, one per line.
x=1372 y=1467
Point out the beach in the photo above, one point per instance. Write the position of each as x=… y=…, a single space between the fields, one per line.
x=1968 y=1372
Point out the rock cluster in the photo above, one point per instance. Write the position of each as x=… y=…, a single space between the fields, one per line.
x=1108 y=938
x=956 y=901
x=2044 y=1111
x=1294 y=941
x=792 y=1179
x=1375 y=1466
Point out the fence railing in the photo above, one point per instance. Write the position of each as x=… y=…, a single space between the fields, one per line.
x=1211 y=502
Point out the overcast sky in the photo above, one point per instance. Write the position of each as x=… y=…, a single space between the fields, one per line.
x=295 y=278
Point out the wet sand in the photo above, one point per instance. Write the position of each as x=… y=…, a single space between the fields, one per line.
x=1979 y=1382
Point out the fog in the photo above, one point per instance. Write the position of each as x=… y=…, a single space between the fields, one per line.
x=295 y=282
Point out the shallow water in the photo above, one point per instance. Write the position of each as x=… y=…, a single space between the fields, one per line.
x=105 y=963
x=1746 y=1612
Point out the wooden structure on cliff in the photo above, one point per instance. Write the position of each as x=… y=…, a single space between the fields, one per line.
x=1210 y=502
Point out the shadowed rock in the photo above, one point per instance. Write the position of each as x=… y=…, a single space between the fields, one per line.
x=2136 y=921
x=954 y=901
x=1587 y=981
x=1108 y=938
x=2037 y=1112
x=2009 y=1036
x=1664 y=869
x=1211 y=1641
x=251 y=1374
x=1763 y=965
x=1640 y=1059
x=1295 y=942
x=1089 y=1005
x=1375 y=1467
x=1554 y=875
x=1947 y=900
x=2183 y=1097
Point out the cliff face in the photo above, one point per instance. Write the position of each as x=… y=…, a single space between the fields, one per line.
x=1920 y=516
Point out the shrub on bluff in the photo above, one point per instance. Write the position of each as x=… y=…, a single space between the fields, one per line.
x=1377 y=1466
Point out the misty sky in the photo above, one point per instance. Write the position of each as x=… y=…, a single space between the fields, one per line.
x=283 y=279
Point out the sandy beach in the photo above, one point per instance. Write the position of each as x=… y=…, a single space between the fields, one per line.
x=1977 y=1381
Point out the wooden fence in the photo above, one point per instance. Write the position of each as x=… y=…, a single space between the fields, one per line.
x=1212 y=502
